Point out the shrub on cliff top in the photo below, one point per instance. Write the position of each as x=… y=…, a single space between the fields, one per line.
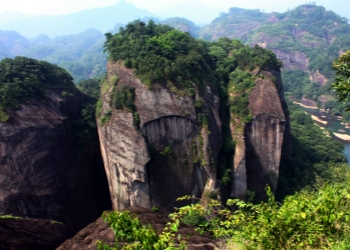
x=159 y=53
x=22 y=78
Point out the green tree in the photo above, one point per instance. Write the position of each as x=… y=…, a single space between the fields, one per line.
x=341 y=85
x=22 y=78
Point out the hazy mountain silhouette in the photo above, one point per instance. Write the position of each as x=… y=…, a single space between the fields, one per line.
x=102 y=19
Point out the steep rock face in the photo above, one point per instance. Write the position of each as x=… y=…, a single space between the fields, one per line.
x=40 y=175
x=125 y=155
x=239 y=187
x=170 y=155
x=260 y=145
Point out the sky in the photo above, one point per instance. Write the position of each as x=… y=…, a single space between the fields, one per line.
x=58 y=7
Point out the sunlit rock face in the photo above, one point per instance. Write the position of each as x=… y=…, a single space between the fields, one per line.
x=169 y=155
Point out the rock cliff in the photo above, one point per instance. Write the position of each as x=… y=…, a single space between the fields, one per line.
x=40 y=173
x=259 y=144
x=170 y=154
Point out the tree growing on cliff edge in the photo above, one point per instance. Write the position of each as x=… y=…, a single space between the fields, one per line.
x=341 y=85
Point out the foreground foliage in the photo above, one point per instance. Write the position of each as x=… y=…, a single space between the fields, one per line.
x=316 y=219
x=130 y=234
x=341 y=67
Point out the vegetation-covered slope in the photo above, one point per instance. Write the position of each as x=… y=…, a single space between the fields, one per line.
x=314 y=151
x=160 y=53
x=309 y=29
x=22 y=78
x=81 y=54
x=307 y=38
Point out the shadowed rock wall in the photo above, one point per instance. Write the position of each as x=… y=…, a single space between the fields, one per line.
x=40 y=174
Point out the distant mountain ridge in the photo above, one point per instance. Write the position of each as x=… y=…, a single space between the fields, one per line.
x=315 y=36
x=102 y=19
x=308 y=39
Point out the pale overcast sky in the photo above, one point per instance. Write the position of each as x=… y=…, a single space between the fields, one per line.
x=56 y=7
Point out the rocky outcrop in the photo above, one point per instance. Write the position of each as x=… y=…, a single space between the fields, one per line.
x=318 y=77
x=170 y=154
x=99 y=230
x=40 y=173
x=32 y=234
x=259 y=145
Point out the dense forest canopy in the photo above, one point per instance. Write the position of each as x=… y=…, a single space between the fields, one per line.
x=159 y=53
x=22 y=78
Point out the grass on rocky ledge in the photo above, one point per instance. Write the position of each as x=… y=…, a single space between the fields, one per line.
x=10 y=217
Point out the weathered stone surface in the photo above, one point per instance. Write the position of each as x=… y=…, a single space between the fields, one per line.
x=125 y=155
x=40 y=174
x=183 y=155
x=173 y=155
x=264 y=137
x=153 y=103
x=259 y=147
x=169 y=130
x=264 y=140
x=239 y=187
